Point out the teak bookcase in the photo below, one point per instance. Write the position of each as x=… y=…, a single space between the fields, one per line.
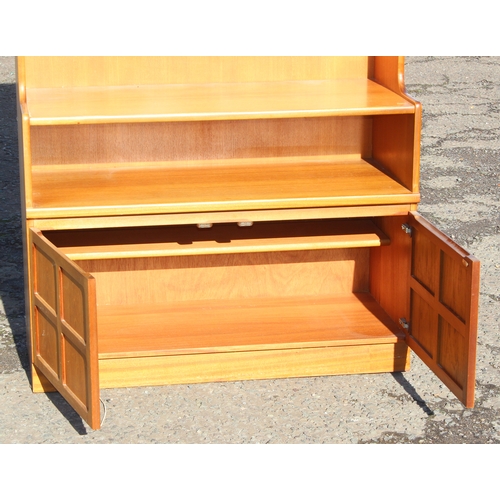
x=197 y=219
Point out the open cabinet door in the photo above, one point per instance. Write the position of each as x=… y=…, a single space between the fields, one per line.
x=444 y=292
x=64 y=327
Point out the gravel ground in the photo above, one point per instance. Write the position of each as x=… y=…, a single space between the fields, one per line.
x=460 y=194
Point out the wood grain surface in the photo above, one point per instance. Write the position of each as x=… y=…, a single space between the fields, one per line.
x=244 y=185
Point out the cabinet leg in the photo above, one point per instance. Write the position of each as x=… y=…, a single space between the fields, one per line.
x=404 y=362
x=39 y=383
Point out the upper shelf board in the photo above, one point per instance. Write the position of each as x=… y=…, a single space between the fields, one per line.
x=214 y=101
x=216 y=185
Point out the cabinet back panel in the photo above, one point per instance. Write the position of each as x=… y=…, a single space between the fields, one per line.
x=203 y=140
x=234 y=276
x=46 y=72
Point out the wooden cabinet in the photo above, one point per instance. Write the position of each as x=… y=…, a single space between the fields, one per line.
x=206 y=219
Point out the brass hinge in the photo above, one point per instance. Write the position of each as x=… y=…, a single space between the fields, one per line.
x=406 y=228
x=404 y=323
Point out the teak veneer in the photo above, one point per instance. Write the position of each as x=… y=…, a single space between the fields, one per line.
x=212 y=186
x=198 y=219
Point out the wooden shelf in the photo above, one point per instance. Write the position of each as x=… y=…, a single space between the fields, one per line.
x=220 y=239
x=182 y=187
x=251 y=325
x=214 y=101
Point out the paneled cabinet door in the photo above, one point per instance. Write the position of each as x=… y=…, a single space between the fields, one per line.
x=64 y=327
x=444 y=293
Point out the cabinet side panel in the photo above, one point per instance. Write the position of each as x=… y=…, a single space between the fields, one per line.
x=394 y=147
x=389 y=72
x=389 y=268
x=403 y=134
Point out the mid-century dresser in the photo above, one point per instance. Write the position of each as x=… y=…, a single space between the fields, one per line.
x=200 y=219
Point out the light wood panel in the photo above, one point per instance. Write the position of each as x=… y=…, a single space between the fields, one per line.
x=253 y=365
x=244 y=185
x=168 y=280
x=43 y=72
x=24 y=147
x=237 y=325
x=400 y=162
x=123 y=143
x=223 y=101
x=39 y=382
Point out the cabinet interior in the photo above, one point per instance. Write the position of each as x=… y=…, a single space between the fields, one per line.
x=276 y=285
x=220 y=165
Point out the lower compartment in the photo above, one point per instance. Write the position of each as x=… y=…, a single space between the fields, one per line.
x=252 y=325
x=212 y=341
x=184 y=305
x=132 y=308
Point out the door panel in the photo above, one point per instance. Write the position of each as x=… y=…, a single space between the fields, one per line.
x=444 y=293
x=64 y=336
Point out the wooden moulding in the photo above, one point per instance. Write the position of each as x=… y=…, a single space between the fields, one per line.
x=230 y=217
